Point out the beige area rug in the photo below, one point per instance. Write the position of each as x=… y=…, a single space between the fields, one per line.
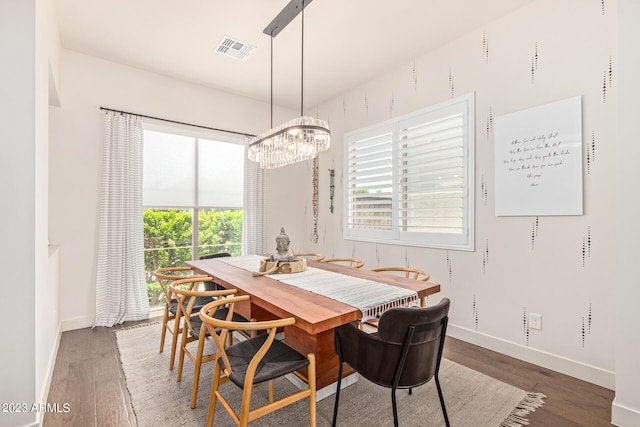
x=472 y=399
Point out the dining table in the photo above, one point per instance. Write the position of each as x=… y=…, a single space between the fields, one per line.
x=316 y=315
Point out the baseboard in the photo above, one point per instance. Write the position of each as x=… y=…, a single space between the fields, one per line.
x=563 y=365
x=624 y=416
x=44 y=393
x=76 y=323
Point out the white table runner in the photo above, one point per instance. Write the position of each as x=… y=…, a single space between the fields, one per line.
x=371 y=298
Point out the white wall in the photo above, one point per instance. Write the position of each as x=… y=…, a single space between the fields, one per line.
x=626 y=406
x=521 y=264
x=18 y=123
x=24 y=122
x=76 y=154
x=47 y=320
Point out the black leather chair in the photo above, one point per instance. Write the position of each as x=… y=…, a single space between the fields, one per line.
x=216 y=255
x=404 y=353
x=213 y=286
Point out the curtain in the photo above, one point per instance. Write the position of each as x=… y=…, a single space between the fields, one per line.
x=121 y=288
x=253 y=236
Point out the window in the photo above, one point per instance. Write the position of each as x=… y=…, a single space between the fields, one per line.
x=192 y=196
x=410 y=179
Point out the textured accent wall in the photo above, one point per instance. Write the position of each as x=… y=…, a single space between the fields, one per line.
x=556 y=266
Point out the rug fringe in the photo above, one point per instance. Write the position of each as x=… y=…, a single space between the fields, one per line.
x=517 y=418
x=141 y=325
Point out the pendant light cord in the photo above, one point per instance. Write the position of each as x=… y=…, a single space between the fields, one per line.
x=302 y=67
x=271 y=78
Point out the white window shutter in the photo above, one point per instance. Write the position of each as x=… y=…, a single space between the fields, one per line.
x=410 y=179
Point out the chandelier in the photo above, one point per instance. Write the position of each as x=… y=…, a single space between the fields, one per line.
x=301 y=138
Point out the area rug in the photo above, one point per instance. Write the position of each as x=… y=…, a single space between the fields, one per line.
x=472 y=398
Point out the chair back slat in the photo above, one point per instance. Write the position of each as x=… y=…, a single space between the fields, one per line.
x=164 y=276
x=184 y=292
x=309 y=255
x=409 y=272
x=249 y=354
x=351 y=262
x=220 y=335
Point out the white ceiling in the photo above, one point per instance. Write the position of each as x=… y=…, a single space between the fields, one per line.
x=346 y=42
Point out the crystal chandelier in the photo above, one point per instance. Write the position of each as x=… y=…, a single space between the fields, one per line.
x=301 y=138
x=297 y=140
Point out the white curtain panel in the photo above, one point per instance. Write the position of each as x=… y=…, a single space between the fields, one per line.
x=253 y=238
x=121 y=289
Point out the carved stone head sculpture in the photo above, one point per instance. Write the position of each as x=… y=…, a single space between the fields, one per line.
x=283 y=253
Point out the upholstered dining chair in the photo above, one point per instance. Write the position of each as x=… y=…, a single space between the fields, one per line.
x=351 y=262
x=164 y=277
x=216 y=255
x=187 y=293
x=259 y=359
x=405 y=352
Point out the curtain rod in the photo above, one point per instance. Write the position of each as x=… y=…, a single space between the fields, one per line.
x=176 y=122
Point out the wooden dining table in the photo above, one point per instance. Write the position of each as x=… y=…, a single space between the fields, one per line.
x=316 y=315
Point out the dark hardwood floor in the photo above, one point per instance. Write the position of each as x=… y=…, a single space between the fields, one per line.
x=89 y=377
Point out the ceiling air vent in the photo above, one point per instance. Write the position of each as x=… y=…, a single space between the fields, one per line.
x=234 y=48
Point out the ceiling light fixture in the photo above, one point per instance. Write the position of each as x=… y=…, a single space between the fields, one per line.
x=301 y=138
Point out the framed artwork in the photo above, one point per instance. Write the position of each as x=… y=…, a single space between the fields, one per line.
x=538 y=160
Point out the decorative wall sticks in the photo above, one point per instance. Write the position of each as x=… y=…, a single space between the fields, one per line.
x=591 y=151
x=315 y=199
x=484 y=190
x=485 y=257
x=451 y=85
x=608 y=80
x=489 y=123
x=475 y=311
x=485 y=47
x=586 y=246
x=332 y=186
x=586 y=326
x=534 y=64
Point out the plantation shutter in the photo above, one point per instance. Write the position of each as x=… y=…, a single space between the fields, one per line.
x=432 y=177
x=370 y=181
x=410 y=179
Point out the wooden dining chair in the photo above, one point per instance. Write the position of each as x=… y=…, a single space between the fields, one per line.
x=350 y=262
x=309 y=255
x=187 y=293
x=259 y=359
x=408 y=272
x=165 y=276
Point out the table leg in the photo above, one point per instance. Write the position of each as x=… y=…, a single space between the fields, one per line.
x=322 y=346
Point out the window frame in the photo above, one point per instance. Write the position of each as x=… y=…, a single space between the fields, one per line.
x=465 y=241
x=197 y=136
